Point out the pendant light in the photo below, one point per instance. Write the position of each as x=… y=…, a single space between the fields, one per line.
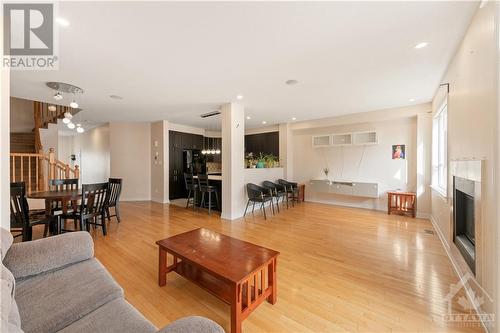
x=204 y=152
x=213 y=149
x=217 y=151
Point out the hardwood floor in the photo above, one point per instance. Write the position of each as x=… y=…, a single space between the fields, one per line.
x=340 y=269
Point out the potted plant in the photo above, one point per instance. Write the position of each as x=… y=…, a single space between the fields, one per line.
x=271 y=160
x=261 y=160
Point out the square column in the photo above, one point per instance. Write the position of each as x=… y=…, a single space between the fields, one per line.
x=233 y=155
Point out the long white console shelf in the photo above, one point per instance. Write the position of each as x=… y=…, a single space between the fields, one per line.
x=359 y=189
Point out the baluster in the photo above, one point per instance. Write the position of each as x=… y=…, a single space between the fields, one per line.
x=29 y=174
x=261 y=281
x=22 y=168
x=249 y=294
x=14 y=169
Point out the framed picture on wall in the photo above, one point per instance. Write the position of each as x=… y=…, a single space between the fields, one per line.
x=398 y=152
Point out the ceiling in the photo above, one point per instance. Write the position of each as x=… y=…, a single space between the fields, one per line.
x=176 y=60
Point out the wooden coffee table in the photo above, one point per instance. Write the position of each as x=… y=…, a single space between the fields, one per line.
x=241 y=274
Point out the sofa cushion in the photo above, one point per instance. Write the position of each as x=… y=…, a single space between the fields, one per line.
x=6 y=241
x=192 y=324
x=114 y=316
x=50 y=301
x=9 y=313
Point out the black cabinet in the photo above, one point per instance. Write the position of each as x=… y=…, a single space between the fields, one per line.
x=178 y=141
x=176 y=177
x=265 y=143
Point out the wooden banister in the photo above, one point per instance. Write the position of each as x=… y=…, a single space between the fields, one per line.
x=36 y=169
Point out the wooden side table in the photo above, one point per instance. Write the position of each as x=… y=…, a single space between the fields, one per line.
x=402 y=202
x=302 y=191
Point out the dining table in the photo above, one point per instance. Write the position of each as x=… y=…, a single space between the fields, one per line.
x=63 y=196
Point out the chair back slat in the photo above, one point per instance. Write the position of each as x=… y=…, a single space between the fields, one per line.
x=203 y=180
x=188 y=180
x=94 y=199
x=114 y=190
x=19 y=209
x=63 y=184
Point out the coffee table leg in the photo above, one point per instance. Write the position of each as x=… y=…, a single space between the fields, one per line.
x=236 y=309
x=162 y=268
x=272 y=279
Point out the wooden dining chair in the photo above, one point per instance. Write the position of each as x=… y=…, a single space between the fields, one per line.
x=61 y=185
x=192 y=189
x=92 y=207
x=114 y=192
x=21 y=219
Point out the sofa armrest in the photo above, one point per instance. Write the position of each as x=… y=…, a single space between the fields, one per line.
x=193 y=324
x=42 y=255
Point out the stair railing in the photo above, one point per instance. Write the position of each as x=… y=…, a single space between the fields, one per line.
x=36 y=169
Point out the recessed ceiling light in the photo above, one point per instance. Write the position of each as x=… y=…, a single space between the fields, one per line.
x=293 y=118
x=52 y=108
x=421 y=45
x=291 y=82
x=264 y=122
x=115 y=97
x=239 y=97
x=248 y=118
x=71 y=125
x=66 y=120
x=73 y=104
x=62 y=21
x=412 y=99
x=58 y=96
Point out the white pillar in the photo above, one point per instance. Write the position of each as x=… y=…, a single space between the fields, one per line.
x=4 y=145
x=233 y=154
x=286 y=149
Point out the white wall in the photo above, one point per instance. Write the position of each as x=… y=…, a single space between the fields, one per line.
x=370 y=163
x=130 y=147
x=4 y=145
x=49 y=137
x=92 y=150
x=159 y=161
x=21 y=115
x=473 y=133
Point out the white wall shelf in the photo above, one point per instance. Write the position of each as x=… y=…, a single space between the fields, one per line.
x=345 y=139
x=357 y=189
x=321 y=141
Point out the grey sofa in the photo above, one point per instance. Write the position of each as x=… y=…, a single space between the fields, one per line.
x=56 y=285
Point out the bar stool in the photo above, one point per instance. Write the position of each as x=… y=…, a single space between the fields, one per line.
x=192 y=189
x=205 y=187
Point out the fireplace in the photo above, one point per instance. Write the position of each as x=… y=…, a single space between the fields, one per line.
x=464 y=220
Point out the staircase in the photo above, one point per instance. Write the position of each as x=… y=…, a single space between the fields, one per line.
x=22 y=142
x=28 y=162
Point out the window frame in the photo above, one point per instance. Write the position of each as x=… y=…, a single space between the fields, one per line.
x=440 y=150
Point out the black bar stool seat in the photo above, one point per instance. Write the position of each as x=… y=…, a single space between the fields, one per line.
x=205 y=187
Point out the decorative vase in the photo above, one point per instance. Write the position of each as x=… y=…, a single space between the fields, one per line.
x=260 y=165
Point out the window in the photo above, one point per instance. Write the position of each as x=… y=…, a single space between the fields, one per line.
x=439 y=150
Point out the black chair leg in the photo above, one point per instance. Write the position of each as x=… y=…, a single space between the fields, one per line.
x=277 y=203
x=117 y=212
x=108 y=213
x=189 y=197
x=248 y=203
x=103 y=220
x=253 y=207
x=209 y=202
x=264 y=209
x=202 y=203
